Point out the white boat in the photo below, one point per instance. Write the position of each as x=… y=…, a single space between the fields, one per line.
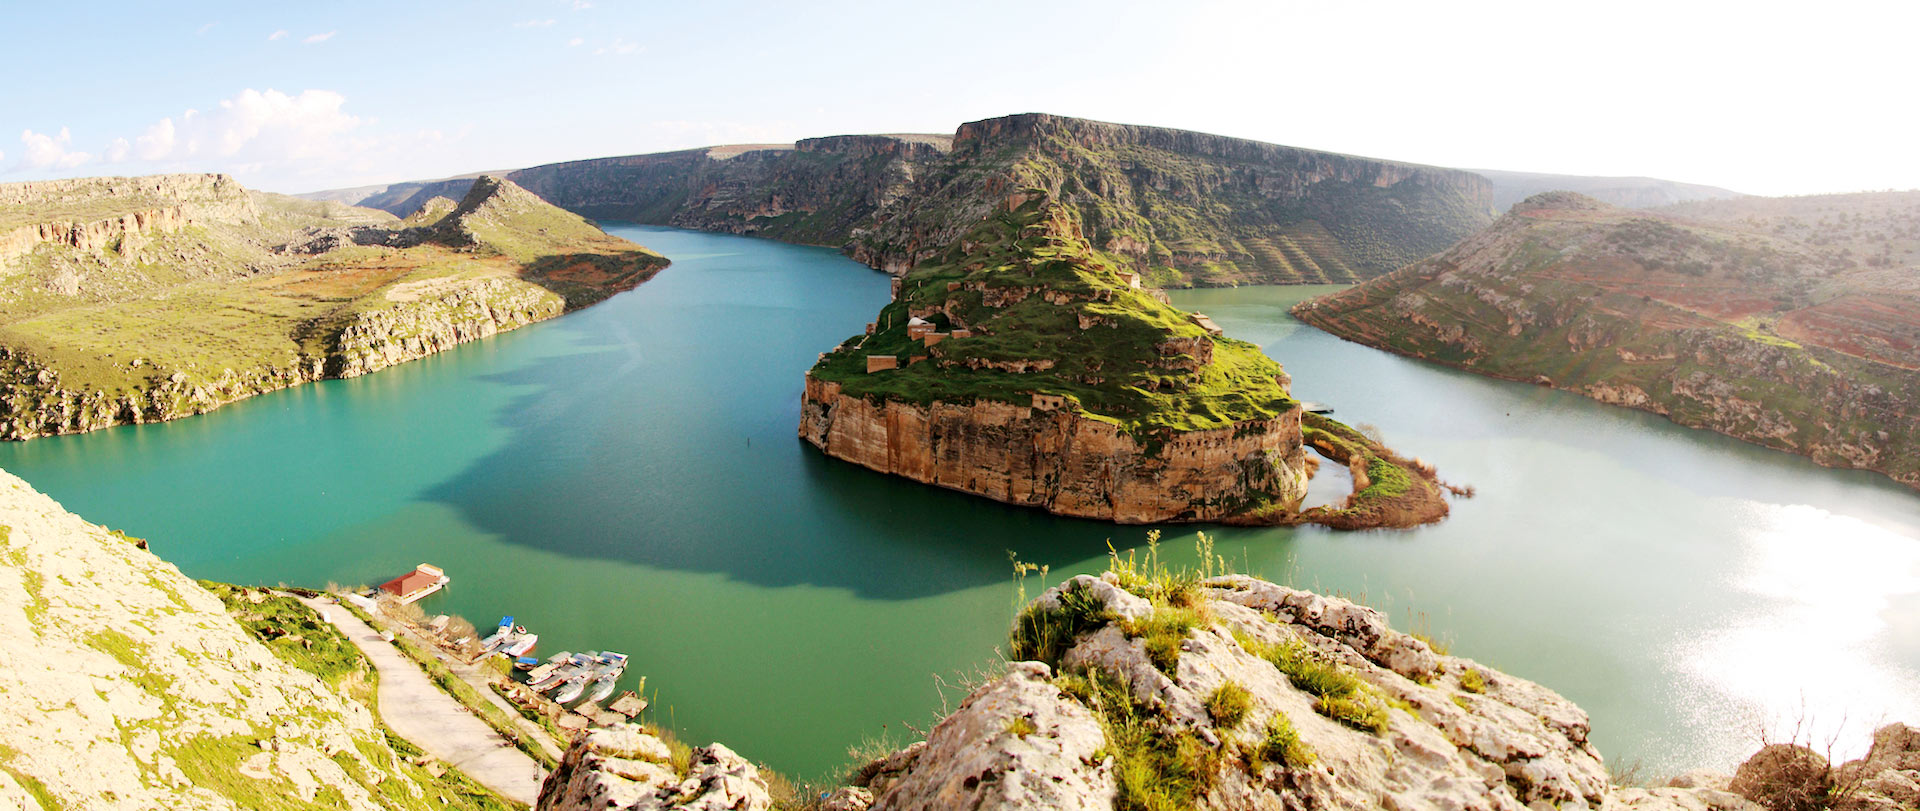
x=520 y=645
x=544 y=669
x=573 y=688
x=603 y=687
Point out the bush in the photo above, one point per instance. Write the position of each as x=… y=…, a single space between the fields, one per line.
x=1163 y=631
x=1358 y=710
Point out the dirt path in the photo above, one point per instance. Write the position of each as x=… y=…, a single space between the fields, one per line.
x=419 y=711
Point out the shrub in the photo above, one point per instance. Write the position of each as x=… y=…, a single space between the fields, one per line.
x=1229 y=705
x=1156 y=769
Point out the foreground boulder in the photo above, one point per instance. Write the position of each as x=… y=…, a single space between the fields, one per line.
x=623 y=767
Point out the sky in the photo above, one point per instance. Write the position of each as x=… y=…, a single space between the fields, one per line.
x=1761 y=98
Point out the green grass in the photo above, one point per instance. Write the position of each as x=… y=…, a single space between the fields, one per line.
x=1340 y=694
x=1044 y=634
x=296 y=634
x=1282 y=745
x=1163 y=631
x=1228 y=705
x=1021 y=725
x=1157 y=766
x=35 y=789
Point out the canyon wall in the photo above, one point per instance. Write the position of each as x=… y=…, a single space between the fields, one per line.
x=1062 y=461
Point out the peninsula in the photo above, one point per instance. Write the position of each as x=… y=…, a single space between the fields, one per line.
x=132 y=300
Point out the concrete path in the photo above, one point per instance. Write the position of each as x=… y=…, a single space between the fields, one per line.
x=418 y=710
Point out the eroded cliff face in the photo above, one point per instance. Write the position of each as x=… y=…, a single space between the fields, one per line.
x=1061 y=461
x=1186 y=208
x=117 y=215
x=127 y=686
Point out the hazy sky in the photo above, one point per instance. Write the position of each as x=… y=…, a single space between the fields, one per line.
x=1762 y=98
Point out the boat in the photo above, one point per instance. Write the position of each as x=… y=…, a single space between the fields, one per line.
x=500 y=636
x=566 y=671
x=539 y=671
x=525 y=662
x=606 y=675
x=603 y=687
x=520 y=645
x=572 y=689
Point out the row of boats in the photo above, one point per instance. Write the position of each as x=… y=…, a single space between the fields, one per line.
x=564 y=676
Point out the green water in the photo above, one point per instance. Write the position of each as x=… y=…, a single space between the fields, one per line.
x=628 y=477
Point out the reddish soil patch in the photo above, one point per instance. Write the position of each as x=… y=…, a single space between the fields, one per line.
x=1882 y=328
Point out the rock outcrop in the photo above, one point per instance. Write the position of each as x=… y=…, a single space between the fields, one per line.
x=1060 y=460
x=1142 y=690
x=296 y=291
x=128 y=686
x=1745 y=317
x=623 y=768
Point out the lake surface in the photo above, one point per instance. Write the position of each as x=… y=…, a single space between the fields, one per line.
x=628 y=478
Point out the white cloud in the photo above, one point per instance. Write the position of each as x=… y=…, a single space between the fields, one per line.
x=534 y=23
x=575 y=42
x=268 y=138
x=205 y=28
x=280 y=34
x=50 y=151
x=319 y=37
x=620 y=46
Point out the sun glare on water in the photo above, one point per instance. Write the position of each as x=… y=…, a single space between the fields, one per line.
x=1826 y=591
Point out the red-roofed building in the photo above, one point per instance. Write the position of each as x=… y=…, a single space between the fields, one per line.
x=423 y=580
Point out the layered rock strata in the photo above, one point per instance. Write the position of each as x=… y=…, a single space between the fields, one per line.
x=1062 y=461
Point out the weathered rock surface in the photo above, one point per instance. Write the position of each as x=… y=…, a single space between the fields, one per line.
x=1061 y=461
x=623 y=768
x=127 y=685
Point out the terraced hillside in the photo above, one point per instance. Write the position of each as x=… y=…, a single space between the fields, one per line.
x=145 y=299
x=1793 y=323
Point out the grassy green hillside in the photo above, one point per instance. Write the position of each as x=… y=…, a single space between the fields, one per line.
x=193 y=293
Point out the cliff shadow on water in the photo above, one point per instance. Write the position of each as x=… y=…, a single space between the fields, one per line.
x=665 y=438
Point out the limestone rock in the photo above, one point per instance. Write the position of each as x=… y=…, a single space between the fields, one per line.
x=622 y=767
x=128 y=686
x=1784 y=777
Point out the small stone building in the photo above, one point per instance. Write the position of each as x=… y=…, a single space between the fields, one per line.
x=918 y=327
x=1206 y=323
x=1049 y=402
x=1130 y=279
x=876 y=363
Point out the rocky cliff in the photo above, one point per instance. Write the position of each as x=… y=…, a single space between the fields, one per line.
x=1757 y=326
x=1184 y=208
x=127 y=686
x=1143 y=689
x=1060 y=460
x=223 y=295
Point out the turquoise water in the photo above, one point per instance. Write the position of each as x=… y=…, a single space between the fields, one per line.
x=628 y=477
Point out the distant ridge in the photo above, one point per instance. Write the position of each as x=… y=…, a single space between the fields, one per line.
x=1627 y=192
